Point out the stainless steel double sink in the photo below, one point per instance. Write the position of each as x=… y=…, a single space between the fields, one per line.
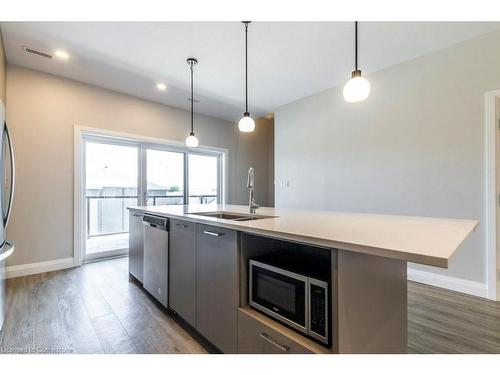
x=234 y=216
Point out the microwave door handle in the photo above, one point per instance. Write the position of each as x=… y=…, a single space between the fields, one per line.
x=6 y=215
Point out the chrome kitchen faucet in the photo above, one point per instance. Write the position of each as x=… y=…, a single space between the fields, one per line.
x=250 y=185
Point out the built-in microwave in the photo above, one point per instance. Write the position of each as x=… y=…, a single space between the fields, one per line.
x=297 y=300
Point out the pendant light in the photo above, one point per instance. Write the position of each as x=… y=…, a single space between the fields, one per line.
x=246 y=124
x=357 y=88
x=191 y=140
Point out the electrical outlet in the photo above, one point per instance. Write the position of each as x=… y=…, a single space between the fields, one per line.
x=284 y=184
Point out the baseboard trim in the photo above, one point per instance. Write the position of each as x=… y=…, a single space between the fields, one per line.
x=448 y=282
x=40 y=267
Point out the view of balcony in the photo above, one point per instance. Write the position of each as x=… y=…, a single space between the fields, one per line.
x=112 y=185
x=107 y=214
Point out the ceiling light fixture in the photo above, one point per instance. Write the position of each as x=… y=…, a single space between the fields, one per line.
x=161 y=86
x=246 y=124
x=191 y=140
x=63 y=55
x=357 y=88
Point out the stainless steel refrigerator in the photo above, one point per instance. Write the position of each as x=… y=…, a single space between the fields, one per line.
x=6 y=194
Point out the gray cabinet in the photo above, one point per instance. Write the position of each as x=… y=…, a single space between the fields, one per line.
x=217 y=286
x=135 y=245
x=182 y=269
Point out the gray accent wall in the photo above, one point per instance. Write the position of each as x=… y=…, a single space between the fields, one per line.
x=256 y=150
x=43 y=110
x=414 y=147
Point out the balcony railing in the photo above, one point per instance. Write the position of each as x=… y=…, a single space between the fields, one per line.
x=107 y=215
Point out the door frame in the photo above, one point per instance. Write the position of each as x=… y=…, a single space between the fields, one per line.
x=82 y=132
x=114 y=142
x=492 y=194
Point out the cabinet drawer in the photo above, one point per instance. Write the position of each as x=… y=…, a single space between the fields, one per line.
x=256 y=337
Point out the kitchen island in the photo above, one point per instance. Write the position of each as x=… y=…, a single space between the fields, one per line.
x=206 y=275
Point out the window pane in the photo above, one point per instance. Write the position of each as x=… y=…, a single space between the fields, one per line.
x=203 y=179
x=165 y=177
x=111 y=173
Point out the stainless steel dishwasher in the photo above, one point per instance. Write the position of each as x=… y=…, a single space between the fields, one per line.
x=155 y=267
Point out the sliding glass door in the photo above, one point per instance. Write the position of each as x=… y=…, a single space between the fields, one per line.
x=111 y=185
x=181 y=176
x=123 y=173
x=203 y=178
x=164 y=177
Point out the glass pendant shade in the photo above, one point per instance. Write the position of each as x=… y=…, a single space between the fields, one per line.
x=191 y=140
x=246 y=124
x=357 y=88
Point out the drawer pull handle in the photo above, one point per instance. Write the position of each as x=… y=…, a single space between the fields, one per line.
x=182 y=225
x=137 y=215
x=266 y=337
x=212 y=233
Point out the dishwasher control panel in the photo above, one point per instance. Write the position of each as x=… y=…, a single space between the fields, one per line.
x=156 y=221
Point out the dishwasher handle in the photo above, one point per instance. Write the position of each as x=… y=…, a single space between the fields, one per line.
x=156 y=222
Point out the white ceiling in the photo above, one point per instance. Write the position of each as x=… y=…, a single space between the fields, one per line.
x=287 y=60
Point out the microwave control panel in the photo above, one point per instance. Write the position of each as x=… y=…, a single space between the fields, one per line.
x=318 y=310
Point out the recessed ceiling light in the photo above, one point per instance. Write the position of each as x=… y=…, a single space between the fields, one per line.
x=161 y=86
x=61 y=54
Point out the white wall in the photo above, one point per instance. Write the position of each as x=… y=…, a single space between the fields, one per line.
x=414 y=147
x=42 y=112
x=3 y=71
x=497 y=118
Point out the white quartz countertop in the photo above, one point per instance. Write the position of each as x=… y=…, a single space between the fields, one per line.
x=424 y=240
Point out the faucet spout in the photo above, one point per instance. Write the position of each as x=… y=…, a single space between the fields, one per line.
x=250 y=185
x=250 y=178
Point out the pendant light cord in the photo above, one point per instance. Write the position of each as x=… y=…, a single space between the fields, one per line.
x=192 y=100
x=246 y=67
x=356 y=45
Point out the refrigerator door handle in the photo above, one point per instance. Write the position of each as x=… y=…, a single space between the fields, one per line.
x=6 y=215
x=9 y=249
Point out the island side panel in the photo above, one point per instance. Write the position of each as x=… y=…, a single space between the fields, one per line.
x=371 y=304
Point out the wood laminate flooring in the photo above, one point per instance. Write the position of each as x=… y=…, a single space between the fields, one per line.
x=442 y=321
x=88 y=309
x=96 y=309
